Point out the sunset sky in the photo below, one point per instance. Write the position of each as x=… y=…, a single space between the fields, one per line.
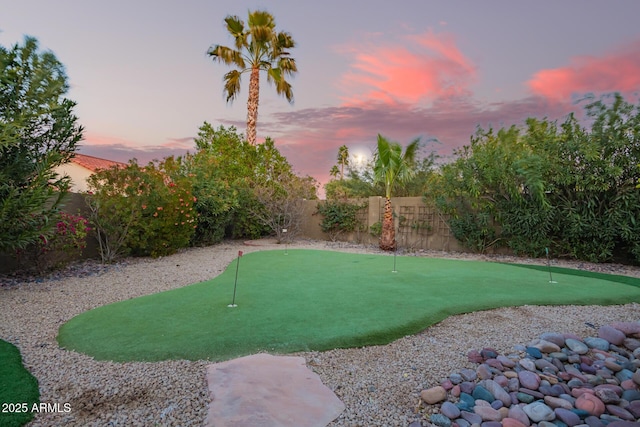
x=139 y=73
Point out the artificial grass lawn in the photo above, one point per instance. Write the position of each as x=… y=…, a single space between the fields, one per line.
x=17 y=386
x=318 y=300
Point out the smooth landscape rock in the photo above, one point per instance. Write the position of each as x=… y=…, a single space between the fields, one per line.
x=567 y=416
x=538 y=411
x=433 y=395
x=512 y=422
x=487 y=413
x=582 y=383
x=596 y=342
x=577 y=346
x=450 y=410
x=611 y=335
x=529 y=380
x=590 y=403
x=440 y=420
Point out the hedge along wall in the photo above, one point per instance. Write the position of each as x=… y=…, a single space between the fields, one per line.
x=417 y=226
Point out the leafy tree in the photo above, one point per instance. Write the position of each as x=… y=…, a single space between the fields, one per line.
x=243 y=190
x=38 y=132
x=258 y=47
x=391 y=165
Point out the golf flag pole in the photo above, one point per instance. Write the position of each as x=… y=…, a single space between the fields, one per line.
x=549 y=266
x=235 y=285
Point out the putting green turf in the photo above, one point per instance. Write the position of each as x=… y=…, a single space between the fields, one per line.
x=318 y=300
x=18 y=388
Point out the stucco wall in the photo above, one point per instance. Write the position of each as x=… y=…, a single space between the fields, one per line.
x=78 y=176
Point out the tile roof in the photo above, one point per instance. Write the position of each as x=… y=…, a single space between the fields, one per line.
x=94 y=163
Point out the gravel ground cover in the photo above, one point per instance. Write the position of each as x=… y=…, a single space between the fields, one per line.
x=380 y=385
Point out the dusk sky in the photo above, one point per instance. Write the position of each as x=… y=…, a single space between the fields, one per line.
x=139 y=73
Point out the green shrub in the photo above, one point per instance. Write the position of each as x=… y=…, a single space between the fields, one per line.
x=339 y=217
x=142 y=210
x=569 y=187
x=376 y=229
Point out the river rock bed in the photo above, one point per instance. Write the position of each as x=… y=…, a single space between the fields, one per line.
x=558 y=379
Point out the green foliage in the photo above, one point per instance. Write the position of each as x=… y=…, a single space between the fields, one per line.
x=38 y=132
x=391 y=164
x=258 y=47
x=17 y=386
x=221 y=171
x=376 y=229
x=216 y=172
x=474 y=230
x=142 y=210
x=63 y=246
x=569 y=188
x=359 y=179
x=343 y=159
x=339 y=217
x=244 y=190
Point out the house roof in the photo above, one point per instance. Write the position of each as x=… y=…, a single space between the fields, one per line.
x=94 y=163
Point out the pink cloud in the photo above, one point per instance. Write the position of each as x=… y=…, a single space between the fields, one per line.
x=420 y=68
x=312 y=148
x=618 y=71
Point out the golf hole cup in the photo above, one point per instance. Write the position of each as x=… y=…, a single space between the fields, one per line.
x=284 y=232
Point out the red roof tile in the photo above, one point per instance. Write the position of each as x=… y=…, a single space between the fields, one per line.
x=94 y=163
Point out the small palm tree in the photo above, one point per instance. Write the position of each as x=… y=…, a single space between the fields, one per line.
x=391 y=166
x=343 y=159
x=258 y=47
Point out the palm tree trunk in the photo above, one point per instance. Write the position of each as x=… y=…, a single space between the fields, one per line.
x=388 y=236
x=252 y=105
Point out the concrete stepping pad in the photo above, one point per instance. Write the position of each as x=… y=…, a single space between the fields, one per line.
x=269 y=391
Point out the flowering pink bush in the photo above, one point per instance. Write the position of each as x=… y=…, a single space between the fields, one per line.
x=142 y=211
x=65 y=244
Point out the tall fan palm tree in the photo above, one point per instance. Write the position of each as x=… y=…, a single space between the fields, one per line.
x=257 y=47
x=391 y=166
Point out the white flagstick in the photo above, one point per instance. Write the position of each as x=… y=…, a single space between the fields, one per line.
x=549 y=266
x=233 y=302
